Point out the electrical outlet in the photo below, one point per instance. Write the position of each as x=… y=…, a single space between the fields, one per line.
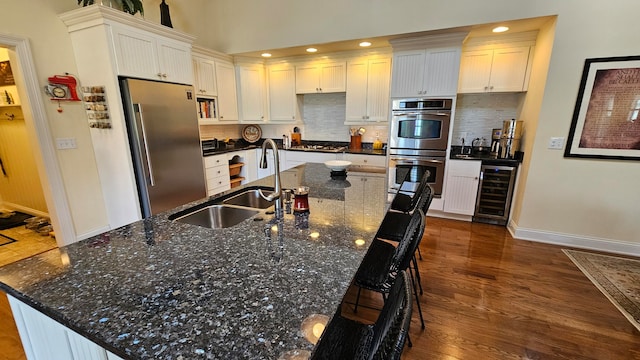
x=556 y=143
x=66 y=143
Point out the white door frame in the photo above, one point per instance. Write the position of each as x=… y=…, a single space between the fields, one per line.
x=38 y=128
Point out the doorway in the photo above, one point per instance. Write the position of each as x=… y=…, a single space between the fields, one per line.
x=21 y=193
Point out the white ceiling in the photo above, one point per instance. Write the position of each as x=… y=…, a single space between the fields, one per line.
x=515 y=26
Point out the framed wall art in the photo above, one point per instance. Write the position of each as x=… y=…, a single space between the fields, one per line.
x=606 y=118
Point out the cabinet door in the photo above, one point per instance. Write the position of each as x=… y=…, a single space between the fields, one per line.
x=136 y=54
x=463 y=177
x=475 y=70
x=378 y=80
x=408 y=73
x=367 y=160
x=307 y=79
x=175 y=62
x=333 y=77
x=205 y=76
x=442 y=67
x=227 y=100
x=252 y=93
x=509 y=69
x=282 y=94
x=356 y=97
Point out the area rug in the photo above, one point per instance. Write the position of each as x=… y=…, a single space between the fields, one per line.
x=4 y=240
x=16 y=219
x=617 y=278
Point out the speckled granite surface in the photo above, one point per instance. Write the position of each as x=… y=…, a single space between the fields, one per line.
x=160 y=289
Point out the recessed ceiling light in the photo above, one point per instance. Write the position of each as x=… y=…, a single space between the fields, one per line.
x=312 y=50
x=365 y=44
x=266 y=54
x=500 y=29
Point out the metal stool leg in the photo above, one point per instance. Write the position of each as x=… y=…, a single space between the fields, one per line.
x=417 y=299
x=415 y=265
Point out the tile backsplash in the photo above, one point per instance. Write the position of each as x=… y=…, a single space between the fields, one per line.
x=477 y=114
x=323 y=120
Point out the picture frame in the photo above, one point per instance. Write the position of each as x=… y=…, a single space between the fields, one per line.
x=6 y=75
x=606 y=117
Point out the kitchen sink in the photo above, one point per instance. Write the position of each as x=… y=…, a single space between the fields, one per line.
x=249 y=198
x=217 y=216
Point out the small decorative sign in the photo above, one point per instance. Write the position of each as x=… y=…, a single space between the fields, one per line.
x=6 y=75
x=95 y=103
x=606 y=118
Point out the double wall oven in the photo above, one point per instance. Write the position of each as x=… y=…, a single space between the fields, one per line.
x=418 y=139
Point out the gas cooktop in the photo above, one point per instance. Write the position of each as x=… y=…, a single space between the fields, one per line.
x=319 y=148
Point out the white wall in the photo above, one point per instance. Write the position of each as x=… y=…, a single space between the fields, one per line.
x=584 y=201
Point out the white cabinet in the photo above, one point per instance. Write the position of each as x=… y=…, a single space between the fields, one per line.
x=294 y=158
x=147 y=55
x=250 y=170
x=205 y=76
x=321 y=78
x=227 y=98
x=362 y=210
x=461 y=188
x=495 y=70
x=252 y=94
x=270 y=169
x=367 y=98
x=43 y=337
x=283 y=101
x=367 y=160
x=430 y=72
x=216 y=169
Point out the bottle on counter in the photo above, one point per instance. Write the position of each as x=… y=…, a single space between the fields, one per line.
x=377 y=145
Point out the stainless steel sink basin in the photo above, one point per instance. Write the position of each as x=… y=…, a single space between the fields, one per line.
x=217 y=216
x=249 y=198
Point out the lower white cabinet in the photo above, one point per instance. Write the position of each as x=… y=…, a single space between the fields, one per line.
x=357 y=195
x=216 y=170
x=294 y=158
x=44 y=338
x=461 y=189
x=368 y=160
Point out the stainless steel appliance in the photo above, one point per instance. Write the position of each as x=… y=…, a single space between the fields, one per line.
x=496 y=134
x=164 y=138
x=510 y=139
x=418 y=139
x=494 y=194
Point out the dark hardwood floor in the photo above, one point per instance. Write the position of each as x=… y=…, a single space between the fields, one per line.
x=488 y=296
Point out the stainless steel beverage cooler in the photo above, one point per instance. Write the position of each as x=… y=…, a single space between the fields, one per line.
x=494 y=194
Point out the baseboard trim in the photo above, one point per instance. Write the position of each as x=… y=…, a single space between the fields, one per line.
x=24 y=209
x=92 y=233
x=575 y=241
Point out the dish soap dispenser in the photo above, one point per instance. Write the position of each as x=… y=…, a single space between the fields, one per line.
x=377 y=145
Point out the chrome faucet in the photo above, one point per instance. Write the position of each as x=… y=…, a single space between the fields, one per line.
x=277 y=192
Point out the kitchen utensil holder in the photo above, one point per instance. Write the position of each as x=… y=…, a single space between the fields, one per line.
x=356 y=142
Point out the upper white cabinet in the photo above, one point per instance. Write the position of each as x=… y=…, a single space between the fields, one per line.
x=283 y=103
x=495 y=70
x=205 y=76
x=367 y=97
x=252 y=94
x=227 y=98
x=430 y=72
x=148 y=55
x=463 y=177
x=321 y=77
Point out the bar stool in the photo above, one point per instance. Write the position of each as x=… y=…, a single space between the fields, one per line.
x=383 y=261
x=348 y=339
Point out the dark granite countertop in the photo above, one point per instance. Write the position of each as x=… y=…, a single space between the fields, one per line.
x=159 y=289
x=239 y=145
x=482 y=155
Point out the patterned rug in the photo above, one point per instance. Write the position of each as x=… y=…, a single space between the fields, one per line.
x=617 y=278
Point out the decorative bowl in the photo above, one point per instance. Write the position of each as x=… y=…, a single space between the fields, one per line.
x=337 y=165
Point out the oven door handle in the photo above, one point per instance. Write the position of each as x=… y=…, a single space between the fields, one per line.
x=408 y=161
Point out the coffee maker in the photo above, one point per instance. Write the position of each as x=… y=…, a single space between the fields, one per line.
x=495 y=142
x=510 y=138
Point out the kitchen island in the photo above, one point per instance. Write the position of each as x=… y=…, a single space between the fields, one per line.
x=162 y=289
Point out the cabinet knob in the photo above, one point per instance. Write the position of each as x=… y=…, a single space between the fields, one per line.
x=491 y=87
x=486 y=88
x=320 y=90
x=164 y=75
x=221 y=117
x=159 y=75
x=293 y=117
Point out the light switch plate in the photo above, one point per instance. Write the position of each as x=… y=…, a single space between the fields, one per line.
x=556 y=142
x=66 y=143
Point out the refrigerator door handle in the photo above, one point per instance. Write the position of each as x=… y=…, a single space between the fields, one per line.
x=140 y=120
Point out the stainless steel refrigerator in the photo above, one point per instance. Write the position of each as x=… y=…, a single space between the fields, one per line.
x=165 y=143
